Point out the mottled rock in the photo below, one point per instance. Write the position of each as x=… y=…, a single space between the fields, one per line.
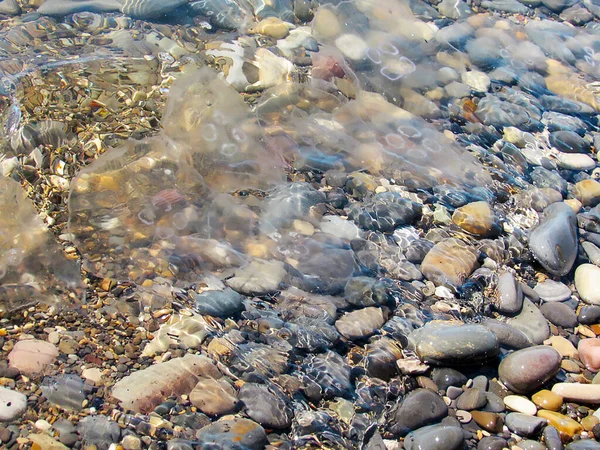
x=477 y=218
x=435 y=437
x=258 y=278
x=214 y=397
x=525 y=370
x=361 y=323
x=267 y=406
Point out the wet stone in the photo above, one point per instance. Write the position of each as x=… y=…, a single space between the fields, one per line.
x=584 y=444
x=361 y=323
x=66 y=391
x=330 y=372
x=214 y=397
x=32 y=356
x=525 y=370
x=554 y=241
x=546 y=399
x=267 y=406
x=472 y=398
x=12 y=404
x=510 y=294
x=507 y=335
x=99 y=431
x=258 y=278
x=587 y=282
x=531 y=322
x=446 y=376
x=569 y=142
x=365 y=291
x=419 y=408
x=552 y=438
x=219 y=303
x=552 y=291
x=524 y=425
x=559 y=314
x=435 y=437
x=385 y=212
x=448 y=344
x=566 y=426
x=477 y=218
x=492 y=443
x=589 y=315
x=450 y=261
x=589 y=353
x=489 y=421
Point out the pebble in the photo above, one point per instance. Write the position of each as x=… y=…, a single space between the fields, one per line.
x=587 y=283
x=258 y=278
x=507 y=335
x=523 y=371
x=552 y=291
x=267 y=406
x=214 y=397
x=562 y=346
x=45 y=442
x=531 y=322
x=448 y=344
x=584 y=444
x=419 y=408
x=510 y=294
x=472 y=398
x=589 y=315
x=32 y=356
x=554 y=241
x=12 y=404
x=566 y=426
x=520 y=404
x=588 y=192
x=589 y=353
x=435 y=437
x=450 y=261
x=546 y=399
x=577 y=392
x=523 y=424
x=489 y=421
x=552 y=438
x=559 y=314
x=233 y=433
x=492 y=443
x=219 y=303
x=143 y=390
x=361 y=323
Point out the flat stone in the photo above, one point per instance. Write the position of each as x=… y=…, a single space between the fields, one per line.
x=562 y=345
x=584 y=444
x=523 y=371
x=361 y=323
x=554 y=241
x=12 y=404
x=508 y=336
x=32 y=356
x=45 y=442
x=589 y=315
x=552 y=291
x=472 y=398
x=587 y=283
x=265 y=405
x=449 y=344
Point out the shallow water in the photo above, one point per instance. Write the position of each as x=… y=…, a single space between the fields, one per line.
x=284 y=182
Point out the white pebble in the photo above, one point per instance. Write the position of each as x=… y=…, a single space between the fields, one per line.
x=520 y=404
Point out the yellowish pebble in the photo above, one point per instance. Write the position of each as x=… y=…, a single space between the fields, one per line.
x=271 y=26
x=588 y=192
x=585 y=331
x=546 y=399
x=566 y=426
x=574 y=204
x=476 y=218
x=589 y=422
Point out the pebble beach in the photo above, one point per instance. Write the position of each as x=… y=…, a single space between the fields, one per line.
x=299 y=224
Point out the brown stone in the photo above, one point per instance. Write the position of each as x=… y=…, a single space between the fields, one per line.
x=588 y=192
x=546 y=399
x=489 y=421
x=214 y=397
x=476 y=218
x=566 y=426
x=450 y=261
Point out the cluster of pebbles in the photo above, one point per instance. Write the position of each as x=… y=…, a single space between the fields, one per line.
x=308 y=224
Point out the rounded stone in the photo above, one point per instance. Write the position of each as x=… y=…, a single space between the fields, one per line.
x=448 y=344
x=470 y=399
x=523 y=371
x=577 y=392
x=587 y=283
x=361 y=323
x=588 y=192
x=476 y=218
x=559 y=314
x=214 y=397
x=450 y=261
x=566 y=426
x=435 y=437
x=419 y=408
x=546 y=399
x=531 y=322
x=554 y=241
x=267 y=406
x=552 y=291
x=489 y=421
x=523 y=424
x=492 y=443
x=589 y=353
x=520 y=404
x=509 y=299
x=232 y=433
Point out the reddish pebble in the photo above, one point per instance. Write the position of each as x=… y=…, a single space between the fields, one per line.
x=32 y=356
x=589 y=353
